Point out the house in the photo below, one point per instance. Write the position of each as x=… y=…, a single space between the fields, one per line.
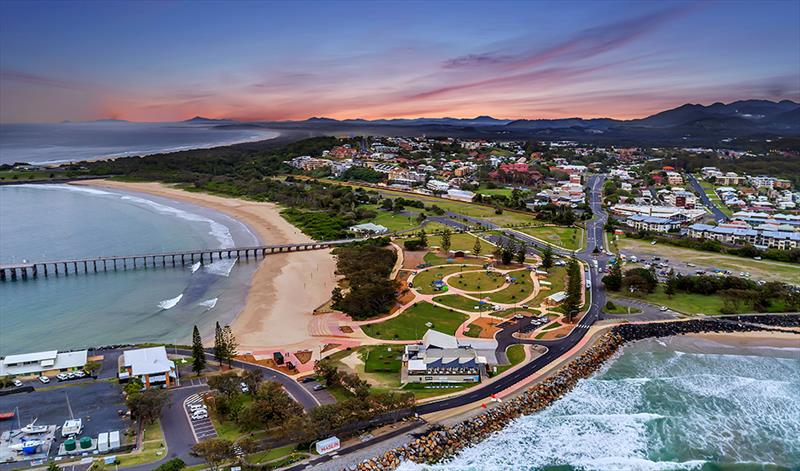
x=41 y=363
x=442 y=358
x=150 y=365
x=782 y=240
x=368 y=228
x=674 y=178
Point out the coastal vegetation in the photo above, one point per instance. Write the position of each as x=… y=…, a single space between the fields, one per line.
x=365 y=267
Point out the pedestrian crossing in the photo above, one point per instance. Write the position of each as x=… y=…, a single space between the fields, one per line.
x=202 y=429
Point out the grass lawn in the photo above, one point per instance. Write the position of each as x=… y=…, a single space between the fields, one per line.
x=515 y=354
x=557 y=276
x=383 y=358
x=473 y=331
x=570 y=238
x=422 y=281
x=620 y=309
x=477 y=281
x=425 y=391
x=496 y=191
x=410 y=325
x=270 y=455
x=394 y=222
x=518 y=291
x=687 y=303
x=154 y=448
x=759 y=269
x=461 y=302
x=461 y=241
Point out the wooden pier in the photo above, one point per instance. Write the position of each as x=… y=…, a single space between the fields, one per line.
x=24 y=271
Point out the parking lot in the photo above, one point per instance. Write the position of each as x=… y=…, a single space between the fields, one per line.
x=96 y=403
x=202 y=429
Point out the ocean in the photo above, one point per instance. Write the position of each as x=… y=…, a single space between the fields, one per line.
x=55 y=222
x=669 y=404
x=65 y=142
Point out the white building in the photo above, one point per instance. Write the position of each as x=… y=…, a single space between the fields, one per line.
x=442 y=358
x=437 y=186
x=40 y=363
x=150 y=365
x=368 y=228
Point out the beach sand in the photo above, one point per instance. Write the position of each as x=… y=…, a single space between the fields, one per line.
x=285 y=289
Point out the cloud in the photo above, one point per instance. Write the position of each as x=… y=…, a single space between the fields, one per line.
x=42 y=81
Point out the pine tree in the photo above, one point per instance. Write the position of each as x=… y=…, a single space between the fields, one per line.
x=476 y=249
x=219 y=344
x=423 y=238
x=446 y=240
x=547 y=257
x=198 y=354
x=231 y=346
x=574 y=287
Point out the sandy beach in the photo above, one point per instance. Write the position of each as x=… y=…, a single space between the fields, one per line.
x=285 y=289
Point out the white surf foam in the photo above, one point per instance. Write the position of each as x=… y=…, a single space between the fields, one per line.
x=72 y=188
x=195 y=267
x=170 y=303
x=209 y=303
x=217 y=230
x=221 y=267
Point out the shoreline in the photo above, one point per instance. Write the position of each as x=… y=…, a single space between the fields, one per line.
x=274 y=299
x=440 y=444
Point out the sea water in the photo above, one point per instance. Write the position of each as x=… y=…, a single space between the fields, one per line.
x=670 y=404
x=58 y=222
x=64 y=142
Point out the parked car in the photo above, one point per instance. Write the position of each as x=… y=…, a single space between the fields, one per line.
x=663 y=308
x=62 y=376
x=244 y=387
x=17 y=383
x=199 y=415
x=319 y=387
x=44 y=379
x=197 y=407
x=80 y=374
x=308 y=379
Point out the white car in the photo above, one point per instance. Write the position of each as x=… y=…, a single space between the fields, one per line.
x=79 y=374
x=663 y=308
x=199 y=415
x=197 y=407
x=17 y=383
x=44 y=379
x=244 y=387
x=62 y=376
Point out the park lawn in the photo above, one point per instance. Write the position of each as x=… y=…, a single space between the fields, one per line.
x=687 y=303
x=620 y=309
x=557 y=276
x=154 y=448
x=394 y=222
x=515 y=354
x=460 y=241
x=272 y=454
x=461 y=302
x=477 y=281
x=517 y=291
x=570 y=238
x=473 y=331
x=769 y=270
x=426 y=391
x=410 y=325
x=153 y=432
x=422 y=281
x=494 y=191
x=383 y=358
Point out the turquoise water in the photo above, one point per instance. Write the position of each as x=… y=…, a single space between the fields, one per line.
x=52 y=222
x=662 y=405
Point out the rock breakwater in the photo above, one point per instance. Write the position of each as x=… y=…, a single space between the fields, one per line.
x=438 y=445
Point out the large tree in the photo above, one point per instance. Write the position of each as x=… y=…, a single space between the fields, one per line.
x=145 y=406
x=522 y=252
x=613 y=281
x=219 y=344
x=506 y=253
x=198 y=354
x=574 y=288
x=547 y=257
x=446 y=240
x=476 y=248
x=230 y=344
x=215 y=451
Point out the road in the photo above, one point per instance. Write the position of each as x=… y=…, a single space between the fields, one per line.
x=179 y=436
x=718 y=215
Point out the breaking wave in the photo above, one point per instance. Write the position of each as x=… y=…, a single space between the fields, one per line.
x=221 y=267
x=654 y=409
x=170 y=303
x=195 y=267
x=209 y=303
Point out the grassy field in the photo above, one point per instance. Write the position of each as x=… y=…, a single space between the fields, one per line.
x=759 y=269
x=460 y=302
x=154 y=448
x=686 y=303
x=466 y=209
x=460 y=241
x=570 y=238
x=410 y=325
x=477 y=281
x=393 y=222
x=620 y=309
x=515 y=354
x=422 y=281
x=518 y=291
x=557 y=277
x=383 y=358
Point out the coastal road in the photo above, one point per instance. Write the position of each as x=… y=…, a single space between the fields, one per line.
x=718 y=215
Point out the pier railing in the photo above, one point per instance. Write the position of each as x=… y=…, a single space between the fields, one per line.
x=24 y=271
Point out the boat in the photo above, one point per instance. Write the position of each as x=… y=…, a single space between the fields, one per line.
x=32 y=428
x=6 y=415
x=28 y=447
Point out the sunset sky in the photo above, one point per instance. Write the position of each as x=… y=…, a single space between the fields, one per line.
x=167 y=61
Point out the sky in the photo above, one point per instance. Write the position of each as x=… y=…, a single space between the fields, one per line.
x=261 y=60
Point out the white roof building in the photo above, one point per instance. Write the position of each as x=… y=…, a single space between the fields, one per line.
x=147 y=361
x=38 y=362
